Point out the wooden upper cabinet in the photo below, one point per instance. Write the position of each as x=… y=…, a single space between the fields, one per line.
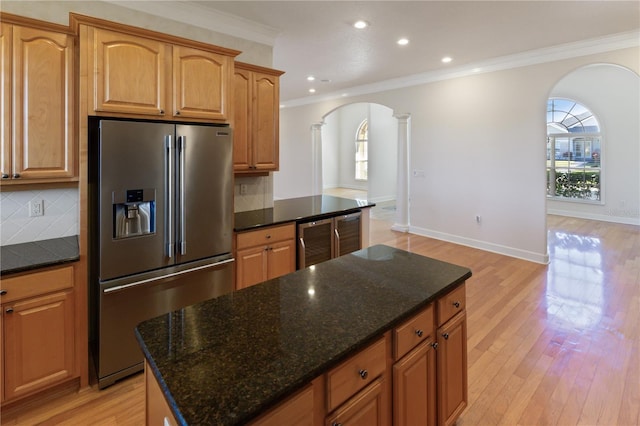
x=129 y=73
x=133 y=72
x=38 y=105
x=6 y=30
x=256 y=119
x=242 y=156
x=200 y=84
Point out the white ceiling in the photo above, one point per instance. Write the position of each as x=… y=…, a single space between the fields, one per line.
x=317 y=37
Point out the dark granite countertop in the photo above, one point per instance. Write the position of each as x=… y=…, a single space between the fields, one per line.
x=38 y=254
x=296 y=209
x=227 y=360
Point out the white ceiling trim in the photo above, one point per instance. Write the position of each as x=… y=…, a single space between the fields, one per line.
x=532 y=57
x=203 y=17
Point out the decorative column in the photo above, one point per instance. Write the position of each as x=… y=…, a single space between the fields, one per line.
x=316 y=158
x=402 y=190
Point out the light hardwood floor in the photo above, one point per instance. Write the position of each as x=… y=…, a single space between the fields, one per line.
x=553 y=344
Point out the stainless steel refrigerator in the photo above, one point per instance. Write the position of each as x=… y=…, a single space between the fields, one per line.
x=161 y=209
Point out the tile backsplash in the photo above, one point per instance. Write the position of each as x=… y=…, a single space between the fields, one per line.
x=60 y=217
x=257 y=194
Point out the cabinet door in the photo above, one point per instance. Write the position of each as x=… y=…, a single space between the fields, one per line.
x=282 y=258
x=266 y=113
x=452 y=369
x=251 y=267
x=241 y=122
x=414 y=388
x=200 y=82
x=370 y=407
x=39 y=342
x=5 y=103
x=43 y=96
x=130 y=73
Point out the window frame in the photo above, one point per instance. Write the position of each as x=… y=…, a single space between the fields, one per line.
x=550 y=167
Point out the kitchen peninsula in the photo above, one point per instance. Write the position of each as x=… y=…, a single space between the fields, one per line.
x=320 y=341
x=313 y=207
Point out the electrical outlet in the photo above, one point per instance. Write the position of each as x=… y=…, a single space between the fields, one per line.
x=36 y=208
x=418 y=173
x=243 y=189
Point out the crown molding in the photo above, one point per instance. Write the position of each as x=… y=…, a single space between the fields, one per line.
x=531 y=57
x=213 y=20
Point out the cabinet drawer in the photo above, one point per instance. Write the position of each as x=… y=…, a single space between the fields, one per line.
x=412 y=332
x=355 y=373
x=36 y=283
x=265 y=236
x=450 y=304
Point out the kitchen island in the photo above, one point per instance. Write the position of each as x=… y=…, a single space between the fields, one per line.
x=231 y=359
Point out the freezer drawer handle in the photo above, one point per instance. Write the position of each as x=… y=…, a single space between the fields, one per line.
x=175 y=274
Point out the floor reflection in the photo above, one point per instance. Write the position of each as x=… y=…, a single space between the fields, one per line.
x=575 y=282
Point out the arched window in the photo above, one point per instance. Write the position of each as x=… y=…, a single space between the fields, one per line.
x=361 y=151
x=574 y=151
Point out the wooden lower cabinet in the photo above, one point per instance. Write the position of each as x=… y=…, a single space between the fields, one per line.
x=157 y=411
x=38 y=332
x=452 y=369
x=265 y=254
x=369 y=407
x=414 y=387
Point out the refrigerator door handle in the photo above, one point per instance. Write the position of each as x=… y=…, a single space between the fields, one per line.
x=170 y=184
x=164 y=277
x=183 y=225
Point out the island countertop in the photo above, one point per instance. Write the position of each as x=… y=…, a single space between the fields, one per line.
x=229 y=359
x=314 y=207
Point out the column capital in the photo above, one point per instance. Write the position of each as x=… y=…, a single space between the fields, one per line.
x=317 y=126
x=402 y=116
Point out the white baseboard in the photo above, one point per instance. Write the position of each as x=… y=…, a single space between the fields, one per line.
x=483 y=245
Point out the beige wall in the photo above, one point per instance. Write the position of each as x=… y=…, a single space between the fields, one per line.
x=479 y=139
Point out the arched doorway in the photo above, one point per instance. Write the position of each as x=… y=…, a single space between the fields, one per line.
x=359 y=151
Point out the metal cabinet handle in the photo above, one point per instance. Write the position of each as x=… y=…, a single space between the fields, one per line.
x=161 y=112
x=364 y=374
x=178 y=112
x=434 y=345
x=446 y=336
x=16 y=175
x=419 y=333
x=336 y=424
x=9 y=310
x=456 y=304
x=3 y=292
x=268 y=236
x=5 y=176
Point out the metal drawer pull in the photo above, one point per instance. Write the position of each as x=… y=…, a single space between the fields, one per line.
x=446 y=336
x=434 y=345
x=456 y=304
x=364 y=374
x=419 y=333
x=9 y=310
x=3 y=292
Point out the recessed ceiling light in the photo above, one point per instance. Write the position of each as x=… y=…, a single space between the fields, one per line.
x=325 y=80
x=361 y=24
x=476 y=70
x=447 y=59
x=311 y=78
x=312 y=90
x=403 y=41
